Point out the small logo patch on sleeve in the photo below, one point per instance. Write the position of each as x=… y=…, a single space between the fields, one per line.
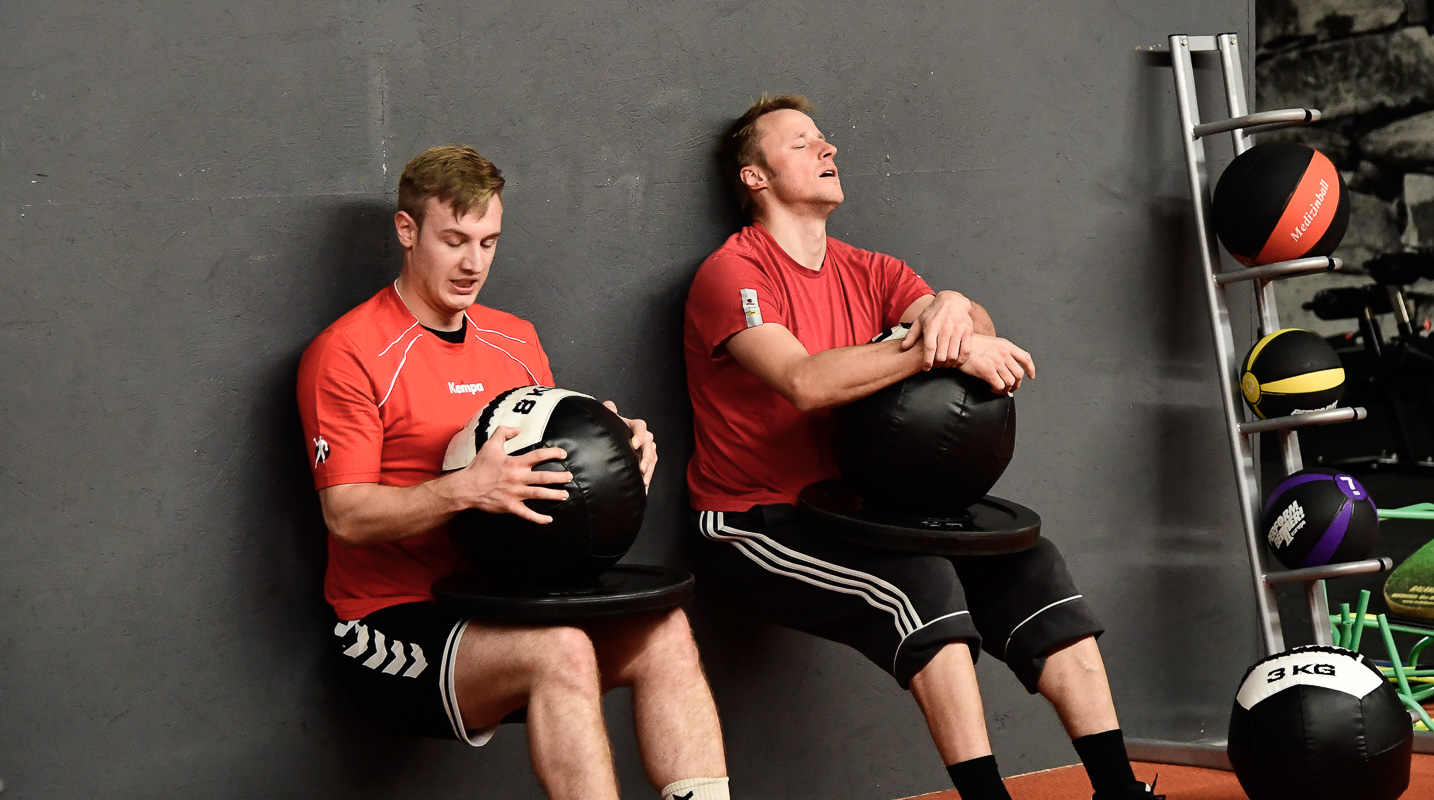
x=750 y=309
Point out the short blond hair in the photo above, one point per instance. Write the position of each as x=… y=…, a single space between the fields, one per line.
x=741 y=145
x=453 y=173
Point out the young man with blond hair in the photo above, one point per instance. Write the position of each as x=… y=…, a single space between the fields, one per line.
x=381 y=392
x=777 y=329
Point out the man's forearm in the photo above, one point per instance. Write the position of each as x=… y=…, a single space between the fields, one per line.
x=370 y=513
x=845 y=374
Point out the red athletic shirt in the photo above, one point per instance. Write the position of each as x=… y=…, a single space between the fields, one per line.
x=380 y=397
x=754 y=447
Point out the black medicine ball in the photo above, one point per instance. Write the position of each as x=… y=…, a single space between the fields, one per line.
x=1280 y=201
x=1320 y=516
x=930 y=445
x=1319 y=723
x=1291 y=371
x=590 y=530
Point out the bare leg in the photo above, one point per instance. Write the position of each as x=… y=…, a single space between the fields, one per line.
x=1075 y=682
x=554 y=671
x=947 y=692
x=677 y=728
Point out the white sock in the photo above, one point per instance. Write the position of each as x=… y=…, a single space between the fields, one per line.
x=697 y=789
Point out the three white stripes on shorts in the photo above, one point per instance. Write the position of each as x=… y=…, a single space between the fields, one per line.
x=782 y=560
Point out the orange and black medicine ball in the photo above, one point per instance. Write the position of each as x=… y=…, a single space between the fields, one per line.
x=1280 y=201
x=1291 y=371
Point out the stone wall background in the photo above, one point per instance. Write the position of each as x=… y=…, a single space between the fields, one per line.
x=1368 y=65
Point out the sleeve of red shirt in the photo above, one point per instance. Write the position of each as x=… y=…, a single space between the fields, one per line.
x=339 y=414
x=714 y=303
x=903 y=287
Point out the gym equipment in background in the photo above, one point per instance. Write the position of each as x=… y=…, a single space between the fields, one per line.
x=1223 y=51
x=1319 y=723
x=1391 y=376
x=563 y=570
x=1280 y=201
x=917 y=459
x=1318 y=516
x=1291 y=371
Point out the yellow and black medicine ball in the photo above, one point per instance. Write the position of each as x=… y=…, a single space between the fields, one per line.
x=1291 y=371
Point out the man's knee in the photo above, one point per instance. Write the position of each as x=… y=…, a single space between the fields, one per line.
x=671 y=631
x=563 y=655
x=663 y=644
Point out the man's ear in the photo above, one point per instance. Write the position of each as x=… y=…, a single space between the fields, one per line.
x=407 y=228
x=752 y=177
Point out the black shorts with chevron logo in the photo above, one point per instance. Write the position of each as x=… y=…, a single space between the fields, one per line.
x=897 y=609
x=397 y=664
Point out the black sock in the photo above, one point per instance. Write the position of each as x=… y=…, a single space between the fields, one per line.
x=1105 y=760
x=978 y=779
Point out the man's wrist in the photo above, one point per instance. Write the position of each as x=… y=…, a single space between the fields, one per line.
x=445 y=493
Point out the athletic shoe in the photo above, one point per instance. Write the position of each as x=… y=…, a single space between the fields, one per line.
x=1136 y=791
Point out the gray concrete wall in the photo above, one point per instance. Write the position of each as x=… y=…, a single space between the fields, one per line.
x=190 y=191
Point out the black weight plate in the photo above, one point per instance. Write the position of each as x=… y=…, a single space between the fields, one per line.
x=622 y=590
x=991 y=526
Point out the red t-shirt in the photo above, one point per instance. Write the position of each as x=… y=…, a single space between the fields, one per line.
x=754 y=447
x=380 y=397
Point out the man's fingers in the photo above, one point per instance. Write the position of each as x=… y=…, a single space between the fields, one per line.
x=1027 y=363
x=542 y=477
x=1006 y=377
x=611 y=406
x=968 y=341
x=912 y=336
x=499 y=438
x=648 y=466
x=542 y=493
x=518 y=509
x=1014 y=382
x=539 y=456
x=943 y=348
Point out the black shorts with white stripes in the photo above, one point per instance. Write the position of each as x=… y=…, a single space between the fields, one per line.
x=897 y=609
x=397 y=665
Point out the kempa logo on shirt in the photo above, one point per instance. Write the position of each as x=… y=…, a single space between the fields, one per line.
x=464 y=388
x=321 y=451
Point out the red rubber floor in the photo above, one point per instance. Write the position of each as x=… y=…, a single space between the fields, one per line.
x=1177 y=783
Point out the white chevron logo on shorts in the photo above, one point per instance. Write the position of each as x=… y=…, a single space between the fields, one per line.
x=381 y=651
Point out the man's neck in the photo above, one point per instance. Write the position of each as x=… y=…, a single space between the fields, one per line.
x=426 y=316
x=801 y=236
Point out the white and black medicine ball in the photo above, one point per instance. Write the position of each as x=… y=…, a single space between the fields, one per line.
x=1320 y=516
x=590 y=530
x=929 y=445
x=1319 y=723
x=1291 y=371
